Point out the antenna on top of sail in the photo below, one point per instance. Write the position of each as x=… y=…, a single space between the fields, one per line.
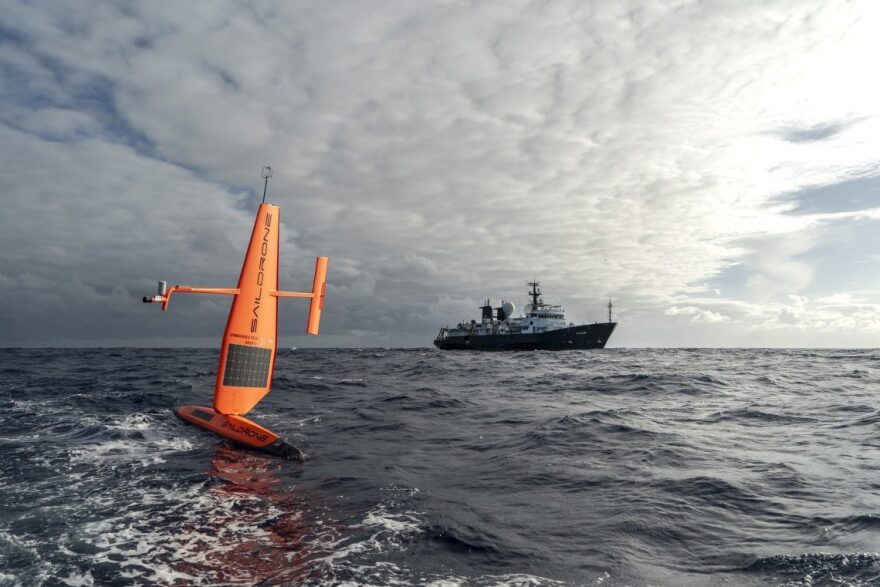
x=266 y=174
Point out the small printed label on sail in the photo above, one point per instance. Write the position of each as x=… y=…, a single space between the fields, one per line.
x=250 y=339
x=247 y=366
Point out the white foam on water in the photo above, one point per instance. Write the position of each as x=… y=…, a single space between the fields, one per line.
x=309 y=420
x=393 y=532
x=398 y=524
x=39 y=569
x=209 y=534
x=336 y=552
x=135 y=421
x=509 y=580
x=127 y=451
x=169 y=535
x=139 y=439
x=827 y=568
x=79 y=580
x=352 y=381
x=25 y=406
x=212 y=533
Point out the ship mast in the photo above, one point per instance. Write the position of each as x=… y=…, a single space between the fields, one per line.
x=609 y=311
x=535 y=293
x=487 y=311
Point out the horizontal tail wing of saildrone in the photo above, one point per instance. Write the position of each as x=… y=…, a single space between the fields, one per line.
x=247 y=352
x=319 y=290
x=316 y=307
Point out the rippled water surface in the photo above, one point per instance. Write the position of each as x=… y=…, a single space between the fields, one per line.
x=612 y=467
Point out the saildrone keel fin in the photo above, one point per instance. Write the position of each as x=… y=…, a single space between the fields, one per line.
x=240 y=430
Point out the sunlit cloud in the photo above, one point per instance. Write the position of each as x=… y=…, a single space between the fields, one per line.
x=439 y=154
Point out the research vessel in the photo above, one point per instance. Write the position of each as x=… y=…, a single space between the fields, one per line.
x=541 y=327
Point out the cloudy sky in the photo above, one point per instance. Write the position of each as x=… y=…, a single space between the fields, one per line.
x=712 y=166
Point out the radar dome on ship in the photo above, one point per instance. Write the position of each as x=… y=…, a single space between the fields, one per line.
x=508 y=308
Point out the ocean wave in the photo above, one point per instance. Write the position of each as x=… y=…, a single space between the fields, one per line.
x=620 y=467
x=821 y=568
x=756 y=417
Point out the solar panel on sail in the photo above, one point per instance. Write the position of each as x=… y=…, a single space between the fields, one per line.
x=247 y=366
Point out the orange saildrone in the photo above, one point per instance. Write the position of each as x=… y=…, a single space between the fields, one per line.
x=247 y=352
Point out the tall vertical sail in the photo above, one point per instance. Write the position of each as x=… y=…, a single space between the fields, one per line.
x=247 y=354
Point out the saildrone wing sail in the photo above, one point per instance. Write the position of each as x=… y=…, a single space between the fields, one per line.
x=247 y=354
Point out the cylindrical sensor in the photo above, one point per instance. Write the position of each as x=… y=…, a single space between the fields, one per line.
x=163 y=287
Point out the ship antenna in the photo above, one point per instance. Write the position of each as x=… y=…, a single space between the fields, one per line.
x=609 y=310
x=266 y=174
x=535 y=293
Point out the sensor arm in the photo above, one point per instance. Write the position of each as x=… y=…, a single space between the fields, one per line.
x=319 y=289
x=292 y=294
x=165 y=298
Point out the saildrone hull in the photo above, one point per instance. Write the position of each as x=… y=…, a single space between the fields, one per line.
x=240 y=430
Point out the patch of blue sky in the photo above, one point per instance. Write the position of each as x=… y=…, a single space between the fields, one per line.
x=731 y=282
x=40 y=83
x=819 y=132
x=848 y=196
x=9 y=34
x=845 y=259
x=41 y=86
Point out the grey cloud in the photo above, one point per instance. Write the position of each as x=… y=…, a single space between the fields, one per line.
x=818 y=132
x=437 y=153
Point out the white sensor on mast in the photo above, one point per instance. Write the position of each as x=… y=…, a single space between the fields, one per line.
x=266 y=174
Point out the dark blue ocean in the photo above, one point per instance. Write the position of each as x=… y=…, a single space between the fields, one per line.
x=610 y=467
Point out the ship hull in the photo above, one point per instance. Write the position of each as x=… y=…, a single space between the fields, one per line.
x=584 y=336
